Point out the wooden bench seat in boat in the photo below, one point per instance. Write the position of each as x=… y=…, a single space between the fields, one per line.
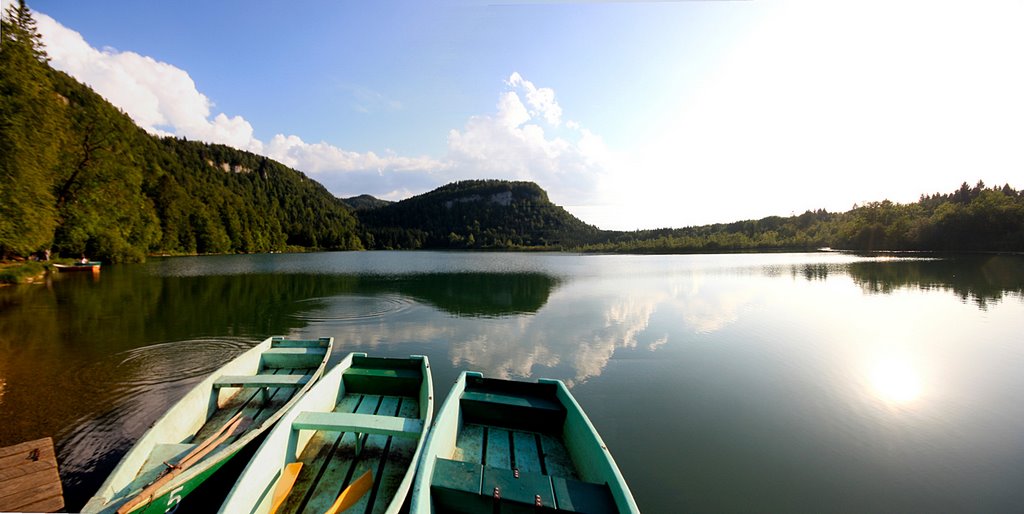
x=470 y=487
x=359 y=423
x=530 y=413
x=293 y=357
x=390 y=381
x=261 y=381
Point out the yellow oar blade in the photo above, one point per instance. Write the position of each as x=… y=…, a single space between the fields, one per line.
x=351 y=495
x=284 y=485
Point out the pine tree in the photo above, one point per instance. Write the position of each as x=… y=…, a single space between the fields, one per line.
x=30 y=114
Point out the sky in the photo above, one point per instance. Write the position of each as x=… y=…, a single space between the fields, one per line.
x=630 y=114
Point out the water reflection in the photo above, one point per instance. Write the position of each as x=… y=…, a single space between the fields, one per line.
x=895 y=380
x=835 y=374
x=982 y=280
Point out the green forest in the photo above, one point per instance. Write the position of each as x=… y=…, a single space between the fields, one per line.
x=78 y=177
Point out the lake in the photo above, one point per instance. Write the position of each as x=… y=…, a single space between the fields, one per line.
x=753 y=382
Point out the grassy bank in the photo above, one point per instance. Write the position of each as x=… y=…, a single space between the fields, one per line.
x=22 y=272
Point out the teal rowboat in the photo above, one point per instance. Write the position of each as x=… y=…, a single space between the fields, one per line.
x=221 y=415
x=352 y=443
x=507 y=446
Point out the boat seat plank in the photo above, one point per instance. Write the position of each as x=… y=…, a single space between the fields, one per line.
x=262 y=380
x=316 y=455
x=399 y=458
x=498 y=449
x=527 y=453
x=359 y=423
x=340 y=467
x=293 y=357
x=518 y=412
x=278 y=342
x=248 y=401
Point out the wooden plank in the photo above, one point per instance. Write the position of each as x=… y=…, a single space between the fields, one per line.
x=556 y=457
x=374 y=452
x=15 y=502
x=261 y=381
x=340 y=466
x=498 y=450
x=469 y=444
x=360 y=423
x=399 y=458
x=51 y=504
x=25 y=469
x=385 y=373
x=278 y=342
x=43 y=452
x=526 y=452
x=29 y=480
x=315 y=457
x=25 y=447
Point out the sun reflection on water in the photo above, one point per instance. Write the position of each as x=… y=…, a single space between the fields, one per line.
x=895 y=380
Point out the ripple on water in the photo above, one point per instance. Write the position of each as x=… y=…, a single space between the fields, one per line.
x=138 y=386
x=355 y=309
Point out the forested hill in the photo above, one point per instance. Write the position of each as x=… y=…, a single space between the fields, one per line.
x=978 y=218
x=78 y=176
x=476 y=214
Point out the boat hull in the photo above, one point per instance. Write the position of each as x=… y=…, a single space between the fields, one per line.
x=365 y=415
x=501 y=445
x=220 y=416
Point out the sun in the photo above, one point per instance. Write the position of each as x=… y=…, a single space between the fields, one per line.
x=895 y=380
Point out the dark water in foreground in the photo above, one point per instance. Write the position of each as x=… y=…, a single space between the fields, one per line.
x=777 y=382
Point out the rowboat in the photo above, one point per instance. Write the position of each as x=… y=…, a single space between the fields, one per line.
x=508 y=446
x=216 y=419
x=351 y=444
x=93 y=266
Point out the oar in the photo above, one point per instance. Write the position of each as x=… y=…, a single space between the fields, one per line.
x=351 y=495
x=284 y=485
x=235 y=425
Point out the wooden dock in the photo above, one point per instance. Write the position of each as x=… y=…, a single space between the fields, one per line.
x=29 y=481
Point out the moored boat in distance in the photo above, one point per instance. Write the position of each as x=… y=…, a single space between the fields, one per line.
x=93 y=266
x=508 y=446
x=350 y=445
x=225 y=412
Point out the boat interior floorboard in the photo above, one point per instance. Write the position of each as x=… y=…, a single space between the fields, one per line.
x=330 y=460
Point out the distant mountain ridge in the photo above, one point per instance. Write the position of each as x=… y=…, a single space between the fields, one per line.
x=476 y=214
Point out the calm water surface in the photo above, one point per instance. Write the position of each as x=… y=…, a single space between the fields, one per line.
x=763 y=382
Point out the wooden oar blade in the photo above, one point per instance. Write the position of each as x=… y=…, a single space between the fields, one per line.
x=351 y=495
x=284 y=485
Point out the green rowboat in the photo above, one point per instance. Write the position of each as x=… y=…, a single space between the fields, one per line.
x=350 y=445
x=214 y=421
x=507 y=446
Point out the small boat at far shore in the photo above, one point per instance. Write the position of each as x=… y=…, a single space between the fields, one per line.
x=350 y=445
x=508 y=446
x=93 y=266
x=219 y=417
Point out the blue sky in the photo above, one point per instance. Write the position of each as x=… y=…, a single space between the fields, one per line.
x=630 y=114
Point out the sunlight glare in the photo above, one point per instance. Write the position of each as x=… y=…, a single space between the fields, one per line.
x=895 y=380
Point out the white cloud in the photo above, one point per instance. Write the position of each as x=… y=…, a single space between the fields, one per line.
x=513 y=144
x=508 y=144
x=541 y=100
